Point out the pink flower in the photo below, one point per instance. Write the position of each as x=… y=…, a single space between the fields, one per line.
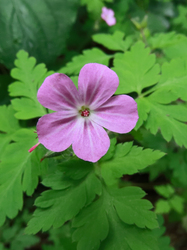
x=108 y=16
x=82 y=113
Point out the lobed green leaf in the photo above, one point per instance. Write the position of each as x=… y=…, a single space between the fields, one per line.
x=66 y=199
x=93 y=55
x=114 y=41
x=29 y=77
x=19 y=171
x=136 y=69
x=128 y=160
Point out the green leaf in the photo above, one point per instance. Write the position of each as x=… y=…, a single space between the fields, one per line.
x=41 y=28
x=101 y=217
x=177 y=50
x=23 y=241
x=66 y=199
x=8 y=125
x=114 y=41
x=177 y=203
x=163 y=241
x=94 y=7
x=131 y=209
x=162 y=206
x=173 y=82
x=127 y=160
x=178 y=164
x=181 y=18
x=110 y=152
x=92 y=226
x=143 y=111
x=136 y=69
x=165 y=190
x=30 y=78
x=165 y=40
x=19 y=171
x=93 y=55
x=170 y=120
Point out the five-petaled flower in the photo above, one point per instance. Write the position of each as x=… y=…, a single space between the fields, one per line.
x=108 y=16
x=81 y=114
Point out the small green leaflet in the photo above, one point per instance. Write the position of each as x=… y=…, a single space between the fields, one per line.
x=110 y=216
x=8 y=126
x=19 y=171
x=93 y=55
x=127 y=159
x=67 y=198
x=181 y=18
x=136 y=69
x=165 y=190
x=114 y=41
x=29 y=77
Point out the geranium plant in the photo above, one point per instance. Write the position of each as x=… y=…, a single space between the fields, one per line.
x=93 y=122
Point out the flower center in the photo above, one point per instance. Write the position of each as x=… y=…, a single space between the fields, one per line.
x=85 y=113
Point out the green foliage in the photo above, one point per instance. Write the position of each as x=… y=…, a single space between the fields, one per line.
x=61 y=238
x=73 y=190
x=67 y=197
x=173 y=45
x=163 y=241
x=113 y=42
x=136 y=69
x=8 y=126
x=137 y=74
x=19 y=171
x=111 y=215
x=29 y=77
x=83 y=205
x=93 y=55
x=178 y=163
x=16 y=238
x=166 y=191
x=127 y=159
x=41 y=28
x=165 y=40
x=94 y=7
x=166 y=118
x=181 y=18
x=173 y=201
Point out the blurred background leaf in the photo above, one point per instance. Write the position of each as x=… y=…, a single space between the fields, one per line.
x=39 y=27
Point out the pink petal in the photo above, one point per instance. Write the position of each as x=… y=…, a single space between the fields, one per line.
x=110 y=21
x=119 y=114
x=108 y=16
x=92 y=141
x=58 y=92
x=96 y=84
x=104 y=11
x=55 y=131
